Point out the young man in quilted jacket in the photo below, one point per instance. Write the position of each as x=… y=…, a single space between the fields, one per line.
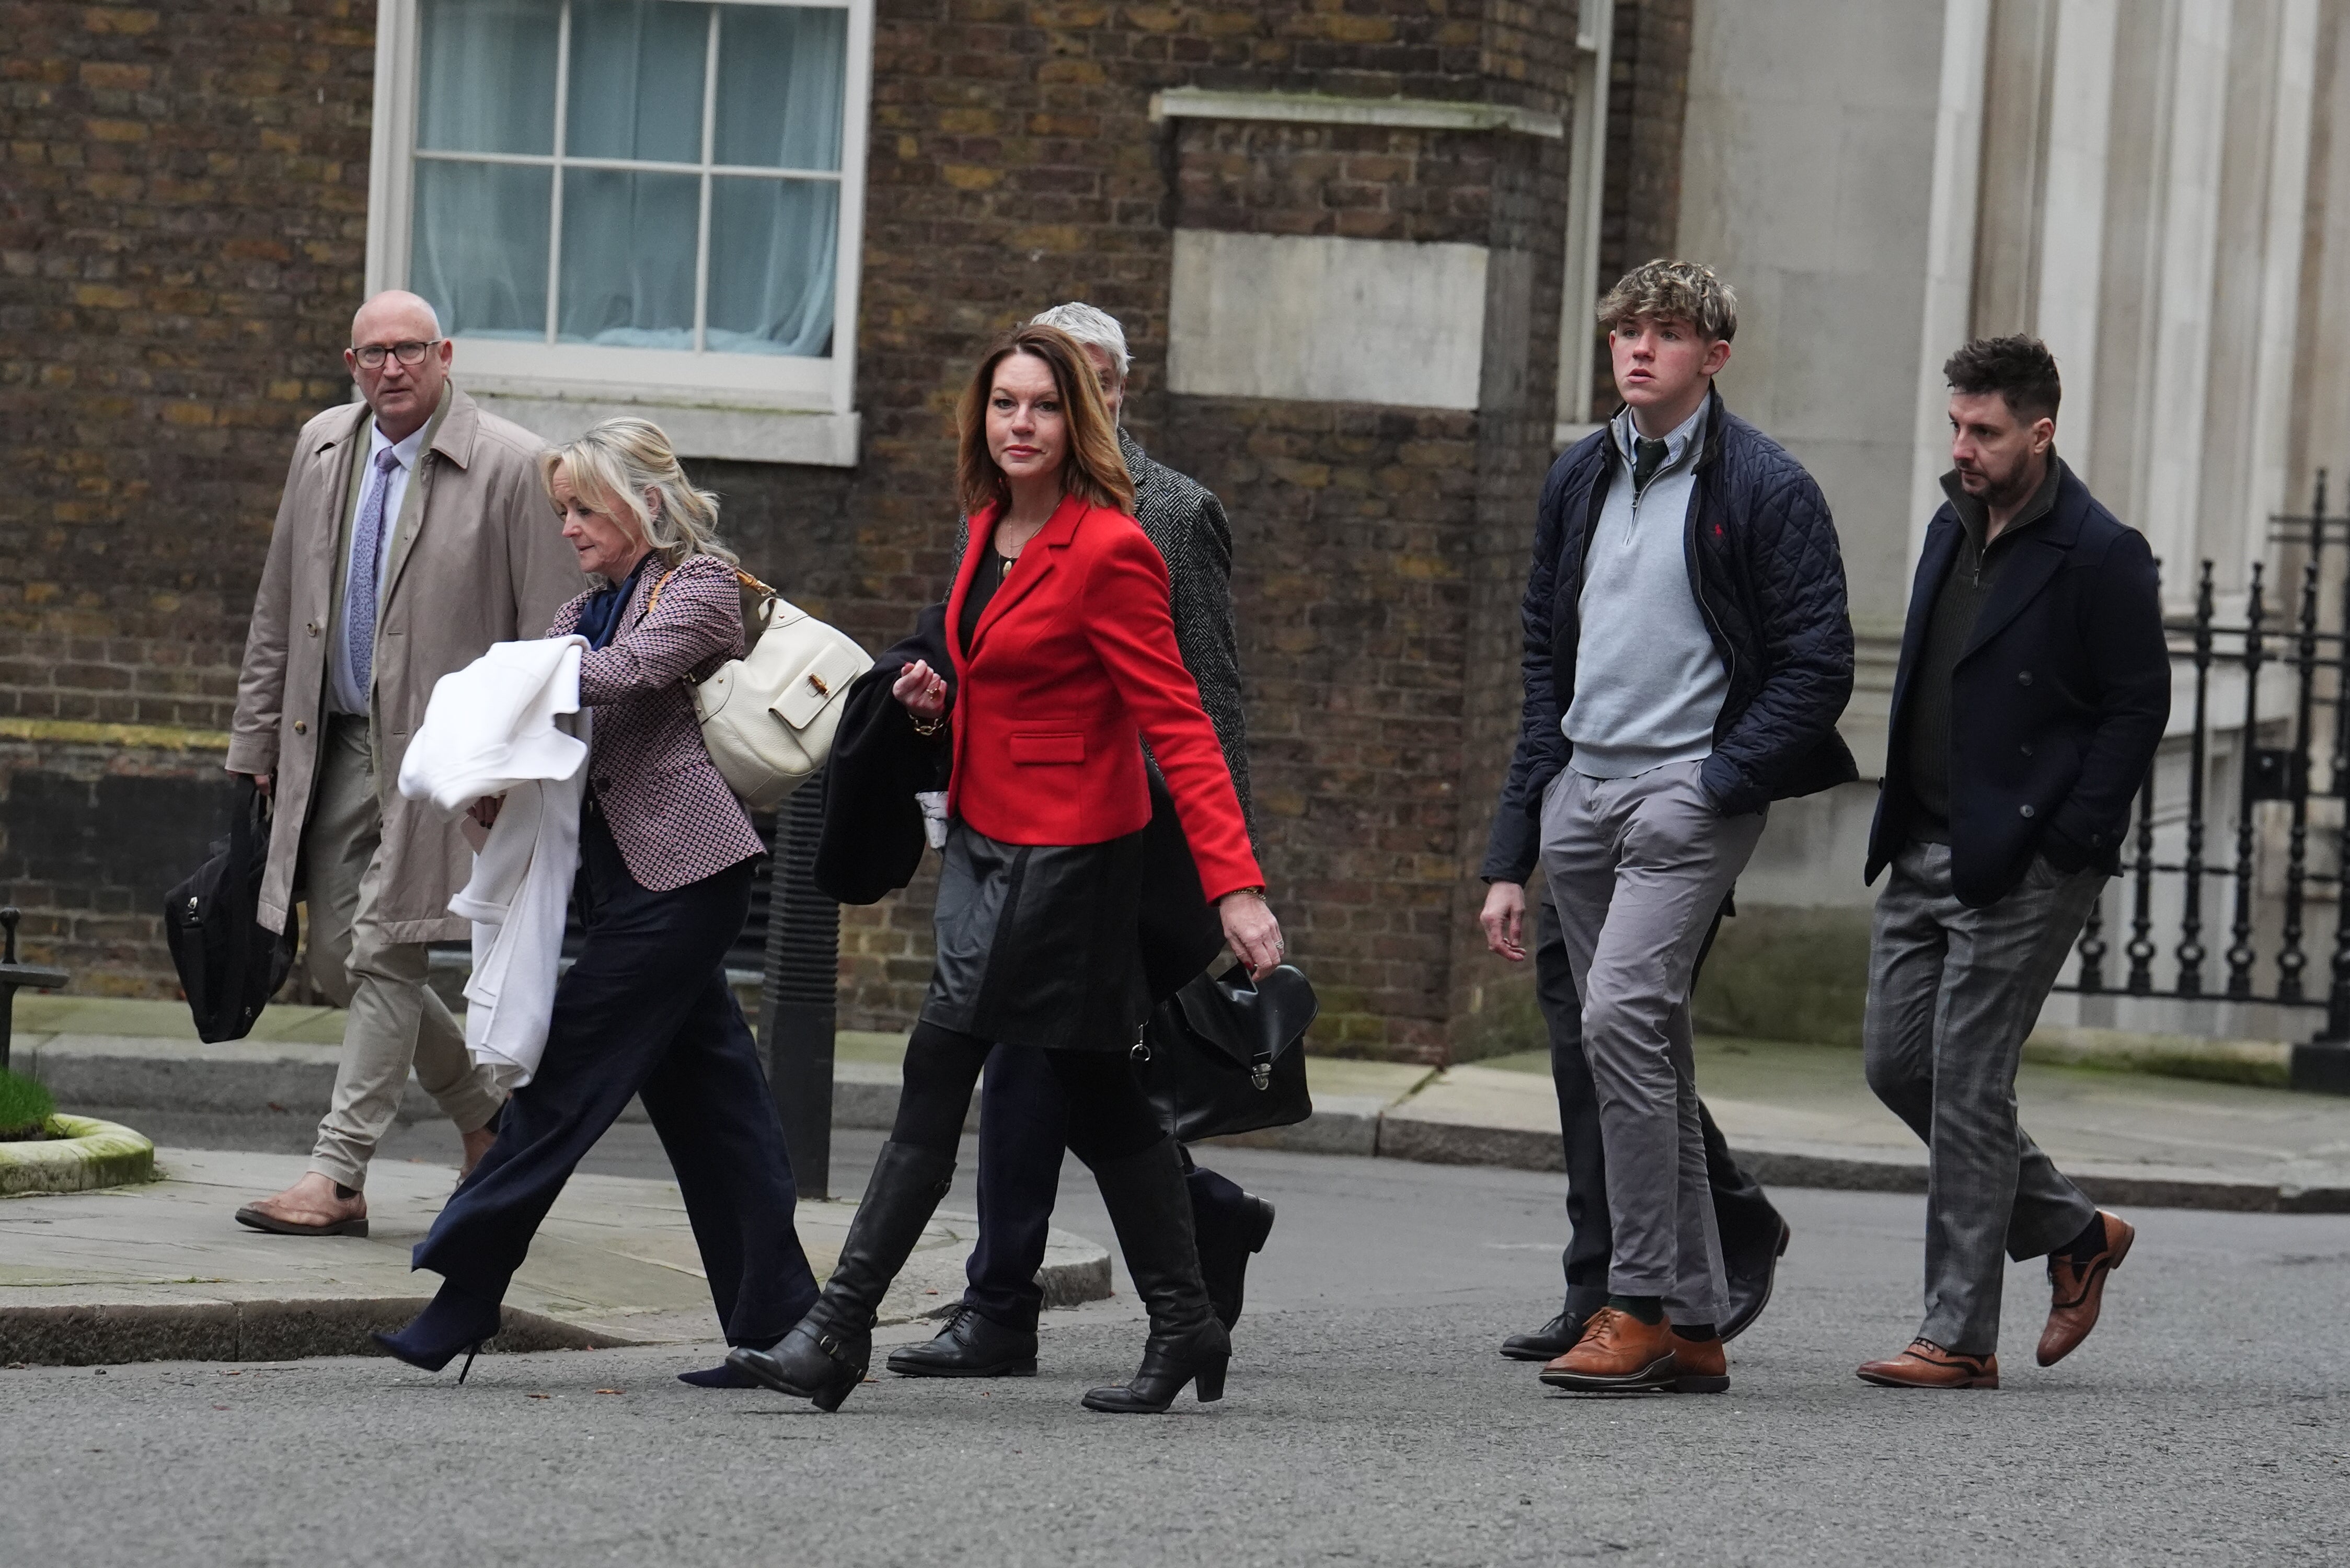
x=1687 y=654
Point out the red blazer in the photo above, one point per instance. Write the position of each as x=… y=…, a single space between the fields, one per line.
x=1071 y=662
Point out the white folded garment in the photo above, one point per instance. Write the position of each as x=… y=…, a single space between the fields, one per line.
x=498 y=727
x=493 y=725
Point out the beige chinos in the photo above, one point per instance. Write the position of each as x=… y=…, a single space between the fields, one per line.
x=1637 y=867
x=395 y=1019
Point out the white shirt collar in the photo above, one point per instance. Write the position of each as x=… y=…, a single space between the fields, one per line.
x=406 y=450
x=1677 y=441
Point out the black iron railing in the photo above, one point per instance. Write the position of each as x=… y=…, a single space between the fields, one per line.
x=2266 y=744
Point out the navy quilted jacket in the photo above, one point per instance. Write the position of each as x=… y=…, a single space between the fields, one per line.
x=1768 y=577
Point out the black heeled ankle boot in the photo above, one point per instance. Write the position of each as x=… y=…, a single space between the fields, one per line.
x=826 y=1354
x=455 y=1321
x=1151 y=1211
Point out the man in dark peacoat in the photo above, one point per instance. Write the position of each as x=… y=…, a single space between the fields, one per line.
x=2034 y=686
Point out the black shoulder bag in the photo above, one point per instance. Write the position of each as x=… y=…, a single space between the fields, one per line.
x=230 y=963
x=1222 y=1055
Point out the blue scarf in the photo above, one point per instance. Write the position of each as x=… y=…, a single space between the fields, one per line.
x=599 y=617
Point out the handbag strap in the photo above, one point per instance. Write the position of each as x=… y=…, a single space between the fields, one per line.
x=741 y=576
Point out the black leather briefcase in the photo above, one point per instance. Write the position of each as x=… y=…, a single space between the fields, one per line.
x=229 y=964
x=1223 y=1057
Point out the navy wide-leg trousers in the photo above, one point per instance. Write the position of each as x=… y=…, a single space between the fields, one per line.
x=646 y=1012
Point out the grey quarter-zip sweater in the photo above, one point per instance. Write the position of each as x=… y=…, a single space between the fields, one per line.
x=1648 y=681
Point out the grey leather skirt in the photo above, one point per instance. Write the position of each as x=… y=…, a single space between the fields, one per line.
x=1036 y=943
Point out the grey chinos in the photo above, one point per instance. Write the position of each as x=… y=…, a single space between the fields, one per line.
x=1637 y=867
x=395 y=1020
x=1952 y=992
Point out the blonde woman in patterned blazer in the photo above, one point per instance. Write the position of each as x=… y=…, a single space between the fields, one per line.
x=646 y=1010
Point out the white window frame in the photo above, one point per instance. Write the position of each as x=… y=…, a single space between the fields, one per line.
x=774 y=408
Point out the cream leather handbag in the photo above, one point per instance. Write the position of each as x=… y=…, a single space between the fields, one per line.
x=769 y=717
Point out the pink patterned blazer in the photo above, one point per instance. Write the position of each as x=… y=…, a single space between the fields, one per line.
x=670 y=813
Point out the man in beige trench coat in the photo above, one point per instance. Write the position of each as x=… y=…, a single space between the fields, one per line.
x=412 y=535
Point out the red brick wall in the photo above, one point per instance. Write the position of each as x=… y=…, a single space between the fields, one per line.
x=1357 y=182
x=181 y=243
x=181 y=248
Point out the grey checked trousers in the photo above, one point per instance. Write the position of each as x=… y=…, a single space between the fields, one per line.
x=1952 y=992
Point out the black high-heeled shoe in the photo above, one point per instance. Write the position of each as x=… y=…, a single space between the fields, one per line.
x=455 y=1321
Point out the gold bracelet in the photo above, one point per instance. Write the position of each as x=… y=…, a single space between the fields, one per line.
x=926 y=726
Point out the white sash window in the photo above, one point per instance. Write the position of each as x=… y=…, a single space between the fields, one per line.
x=641 y=206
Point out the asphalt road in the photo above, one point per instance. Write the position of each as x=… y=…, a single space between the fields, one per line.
x=1368 y=1421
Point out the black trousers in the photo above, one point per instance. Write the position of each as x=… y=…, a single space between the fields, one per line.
x=646 y=1012
x=1749 y=1225
x=1023 y=1126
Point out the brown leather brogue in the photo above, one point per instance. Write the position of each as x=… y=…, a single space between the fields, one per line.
x=2077 y=1290
x=1617 y=1353
x=1926 y=1365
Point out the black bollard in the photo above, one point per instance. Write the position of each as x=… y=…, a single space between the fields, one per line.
x=13 y=974
x=797 y=1002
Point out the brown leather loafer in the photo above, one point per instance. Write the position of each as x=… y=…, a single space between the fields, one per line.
x=1926 y=1365
x=2077 y=1290
x=1617 y=1353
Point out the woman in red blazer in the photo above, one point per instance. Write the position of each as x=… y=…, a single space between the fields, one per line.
x=1065 y=665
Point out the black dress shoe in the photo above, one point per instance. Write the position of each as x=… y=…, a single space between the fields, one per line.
x=1749 y=1289
x=1548 y=1343
x=970 y=1346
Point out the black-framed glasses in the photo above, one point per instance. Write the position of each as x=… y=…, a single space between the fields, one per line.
x=408 y=353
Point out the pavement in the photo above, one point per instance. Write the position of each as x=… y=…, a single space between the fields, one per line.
x=162 y=1270
x=1798 y=1115
x=1368 y=1421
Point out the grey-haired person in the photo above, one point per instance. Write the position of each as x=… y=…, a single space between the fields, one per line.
x=1687 y=654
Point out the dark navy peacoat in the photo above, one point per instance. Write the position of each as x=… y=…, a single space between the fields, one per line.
x=2057 y=704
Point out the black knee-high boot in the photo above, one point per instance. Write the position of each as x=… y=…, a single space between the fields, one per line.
x=825 y=1354
x=1151 y=1209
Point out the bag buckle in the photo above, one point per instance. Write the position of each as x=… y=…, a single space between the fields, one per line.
x=1262 y=1076
x=1140 y=1049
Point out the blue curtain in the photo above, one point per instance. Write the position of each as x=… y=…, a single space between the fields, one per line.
x=636 y=75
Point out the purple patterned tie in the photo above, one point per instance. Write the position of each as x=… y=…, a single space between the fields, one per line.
x=367 y=539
